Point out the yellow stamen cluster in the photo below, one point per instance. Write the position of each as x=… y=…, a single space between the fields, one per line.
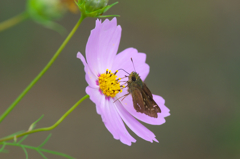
x=109 y=83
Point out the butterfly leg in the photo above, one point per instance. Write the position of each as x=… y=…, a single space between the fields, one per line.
x=124 y=96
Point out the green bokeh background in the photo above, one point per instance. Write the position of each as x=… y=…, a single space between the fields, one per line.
x=193 y=49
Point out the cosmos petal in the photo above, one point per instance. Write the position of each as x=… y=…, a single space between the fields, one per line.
x=102 y=45
x=110 y=116
x=96 y=97
x=117 y=123
x=99 y=99
x=90 y=77
x=123 y=61
x=135 y=126
x=161 y=103
x=105 y=114
x=128 y=105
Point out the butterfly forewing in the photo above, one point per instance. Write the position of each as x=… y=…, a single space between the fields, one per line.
x=142 y=97
x=137 y=100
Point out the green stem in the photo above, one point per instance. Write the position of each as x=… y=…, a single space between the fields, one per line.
x=47 y=128
x=13 y=21
x=42 y=72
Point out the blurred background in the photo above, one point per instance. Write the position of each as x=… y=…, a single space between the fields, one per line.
x=193 y=50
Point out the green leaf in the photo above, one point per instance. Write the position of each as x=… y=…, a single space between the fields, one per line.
x=3 y=146
x=15 y=138
x=38 y=149
x=109 y=6
x=4 y=151
x=25 y=151
x=106 y=16
x=33 y=125
x=41 y=154
x=45 y=141
x=22 y=139
x=16 y=133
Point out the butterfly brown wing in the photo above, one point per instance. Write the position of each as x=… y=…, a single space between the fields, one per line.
x=151 y=106
x=143 y=101
x=137 y=99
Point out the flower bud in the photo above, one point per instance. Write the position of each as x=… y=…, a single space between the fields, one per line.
x=94 y=8
x=93 y=5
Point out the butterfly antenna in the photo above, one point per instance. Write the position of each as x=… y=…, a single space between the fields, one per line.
x=124 y=71
x=133 y=65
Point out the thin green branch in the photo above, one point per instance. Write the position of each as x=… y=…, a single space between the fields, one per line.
x=10 y=108
x=48 y=128
x=13 y=21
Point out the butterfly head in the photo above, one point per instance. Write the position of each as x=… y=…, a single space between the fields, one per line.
x=134 y=77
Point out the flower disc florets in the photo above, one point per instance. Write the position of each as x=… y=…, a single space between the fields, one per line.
x=109 y=84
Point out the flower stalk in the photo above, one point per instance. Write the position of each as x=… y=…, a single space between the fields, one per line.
x=47 y=128
x=19 y=98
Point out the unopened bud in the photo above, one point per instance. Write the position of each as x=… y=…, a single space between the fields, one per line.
x=93 y=5
x=94 y=8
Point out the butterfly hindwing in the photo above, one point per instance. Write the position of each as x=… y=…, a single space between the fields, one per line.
x=150 y=102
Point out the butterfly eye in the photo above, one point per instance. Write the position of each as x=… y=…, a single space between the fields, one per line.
x=133 y=78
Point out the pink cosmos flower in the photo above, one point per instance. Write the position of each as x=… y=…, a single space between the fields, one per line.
x=101 y=55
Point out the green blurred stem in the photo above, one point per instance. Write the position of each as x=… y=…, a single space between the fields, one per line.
x=13 y=21
x=43 y=71
x=47 y=128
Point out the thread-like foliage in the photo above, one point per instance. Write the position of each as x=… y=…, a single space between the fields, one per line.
x=39 y=149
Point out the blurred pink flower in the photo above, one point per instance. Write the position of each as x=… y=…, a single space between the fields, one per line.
x=101 y=54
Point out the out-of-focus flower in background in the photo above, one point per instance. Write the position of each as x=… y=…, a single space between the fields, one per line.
x=46 y=12
x=71 y=5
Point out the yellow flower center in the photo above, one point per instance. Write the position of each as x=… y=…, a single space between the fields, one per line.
x=109 y=83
